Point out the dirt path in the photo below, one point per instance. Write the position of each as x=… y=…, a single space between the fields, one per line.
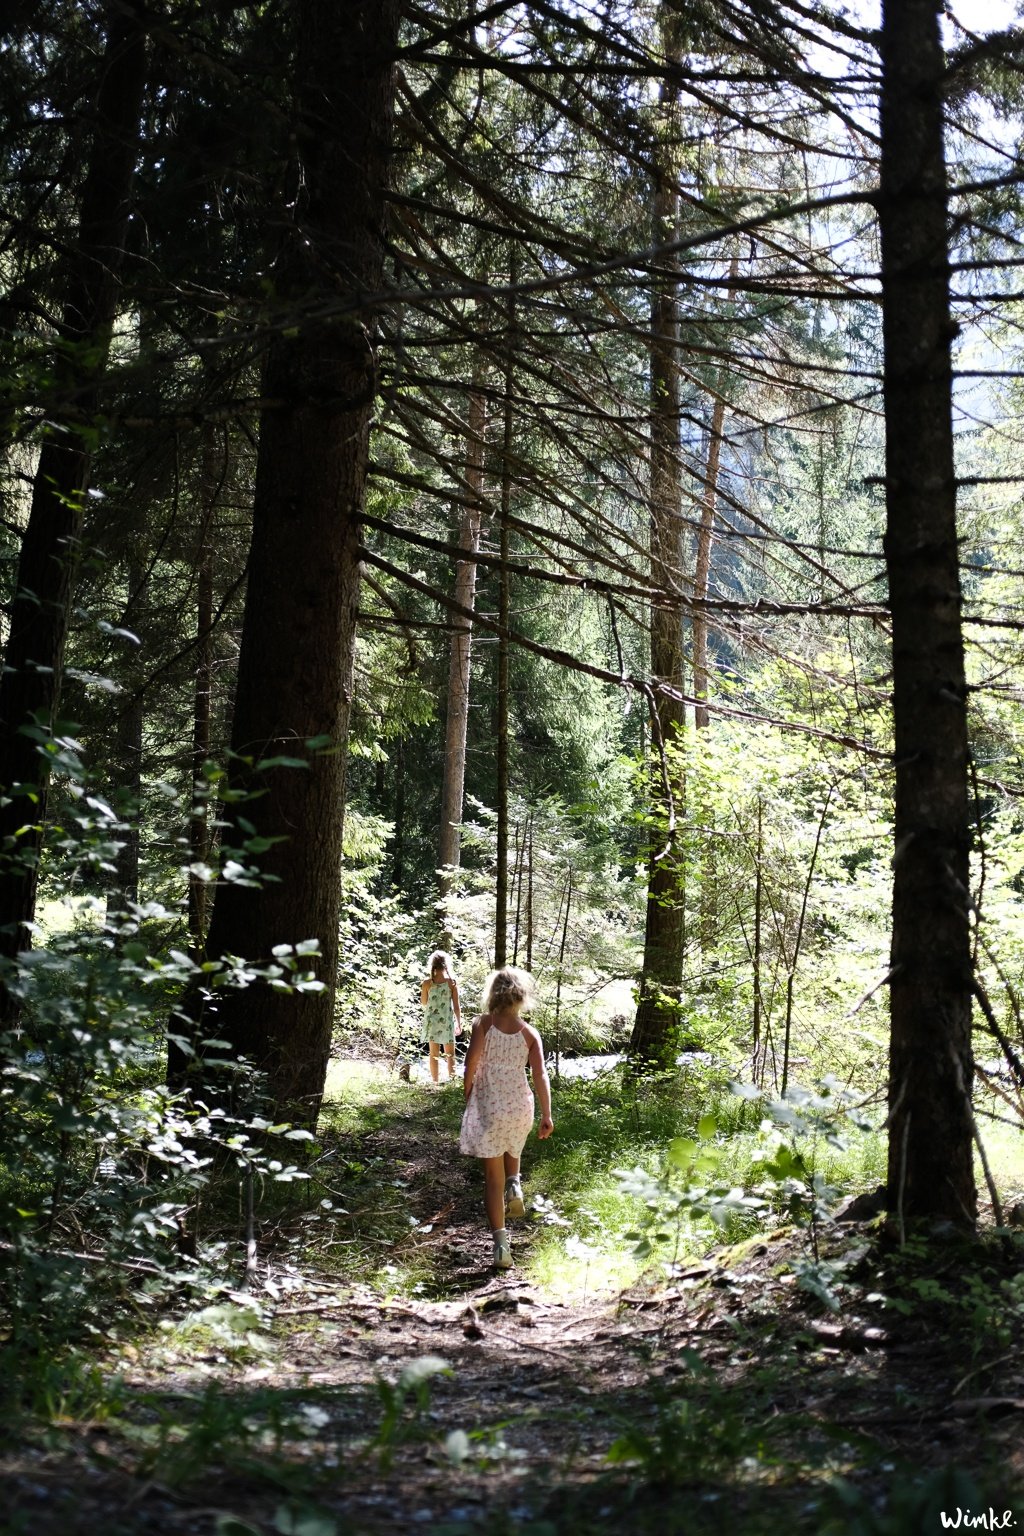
x=740 y=1404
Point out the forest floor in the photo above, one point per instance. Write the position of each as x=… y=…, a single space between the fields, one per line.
x=723 y=1400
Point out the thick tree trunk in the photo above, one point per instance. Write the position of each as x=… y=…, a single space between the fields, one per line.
x=34 y=656
x=931 y=1065
x=460 y=661
x=295 y=665
x=661 y=982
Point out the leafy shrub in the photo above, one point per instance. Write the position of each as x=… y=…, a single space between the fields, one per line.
x=103 y=1170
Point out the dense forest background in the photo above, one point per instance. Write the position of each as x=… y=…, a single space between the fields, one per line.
x=536 y=479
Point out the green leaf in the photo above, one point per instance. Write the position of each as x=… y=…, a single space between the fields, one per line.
x=229 y=1525
x=280 y=762
x=707 y=1127
x=681 y=1152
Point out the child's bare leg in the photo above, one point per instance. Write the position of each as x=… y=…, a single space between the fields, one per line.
x=433 y=1060
x=514 y=1205
x=494 y=1192
x=449 y=1052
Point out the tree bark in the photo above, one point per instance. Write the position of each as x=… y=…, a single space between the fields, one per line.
x=34 y=655
x=661 y=980
x=295 y=663
x=930 y=1063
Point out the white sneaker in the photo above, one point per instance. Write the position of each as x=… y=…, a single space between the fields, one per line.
x=514 y=1204
x=502 y=1250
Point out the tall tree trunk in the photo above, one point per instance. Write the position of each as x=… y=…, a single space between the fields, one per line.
x=661 y=981
x=460 y=662
x=931 y=1066
x=502 y=681
x=295 y=664
x=34 y=656
x=501 y=744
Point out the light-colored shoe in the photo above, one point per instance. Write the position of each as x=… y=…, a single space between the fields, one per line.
x=514 y=1204
x=502 y=1250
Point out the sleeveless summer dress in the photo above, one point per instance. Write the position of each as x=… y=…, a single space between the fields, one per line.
x=439 y=1015
x=499 y=1115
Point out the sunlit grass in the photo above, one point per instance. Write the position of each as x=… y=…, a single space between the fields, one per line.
x=358 y=1095
x=1004 y=1150
x=349 y=1079
x=614 y=1123
x=64 y=914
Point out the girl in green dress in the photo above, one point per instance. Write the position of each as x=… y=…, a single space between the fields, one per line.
x=442 y=1015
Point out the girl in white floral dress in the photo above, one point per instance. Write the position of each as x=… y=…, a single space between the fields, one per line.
x=499 y=1105
x=442 y=1012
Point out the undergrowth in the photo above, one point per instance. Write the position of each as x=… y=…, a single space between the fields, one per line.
x=703 y=1437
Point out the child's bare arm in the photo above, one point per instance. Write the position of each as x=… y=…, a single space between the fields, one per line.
x=541 y=1084
x=425 y=991
x=455 y=1002
x=476 y=1042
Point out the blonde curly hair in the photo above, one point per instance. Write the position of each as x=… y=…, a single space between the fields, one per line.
x=508 y=988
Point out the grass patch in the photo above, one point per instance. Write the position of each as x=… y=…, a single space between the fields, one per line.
x=363 y=1095
x=1004 y=1149
x=615 y=1122
x=363 y=1199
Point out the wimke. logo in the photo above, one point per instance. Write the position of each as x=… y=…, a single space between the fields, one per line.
x=988 y=1520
